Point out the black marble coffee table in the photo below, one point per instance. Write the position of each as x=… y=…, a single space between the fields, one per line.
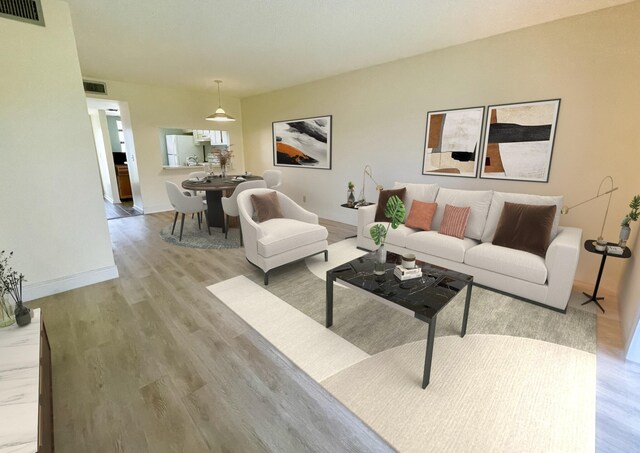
x=422 y=298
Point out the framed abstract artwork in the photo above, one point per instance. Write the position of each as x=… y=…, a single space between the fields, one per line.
x=452 y=142
x=518 y=141
x=303 y=143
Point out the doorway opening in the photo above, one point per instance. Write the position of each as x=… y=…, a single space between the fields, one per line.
x=115 y=151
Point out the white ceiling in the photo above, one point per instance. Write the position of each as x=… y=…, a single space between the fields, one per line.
x=256 y=46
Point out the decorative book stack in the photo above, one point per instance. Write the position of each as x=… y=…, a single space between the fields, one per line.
x=615 y=250
x=406 y=274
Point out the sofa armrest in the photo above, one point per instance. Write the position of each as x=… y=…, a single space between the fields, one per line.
x=562 y=261
x=366 y=215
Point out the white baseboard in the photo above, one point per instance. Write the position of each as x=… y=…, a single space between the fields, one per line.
x=158 y=208
x=62 y=284
x=138 y=208
x=108 y=198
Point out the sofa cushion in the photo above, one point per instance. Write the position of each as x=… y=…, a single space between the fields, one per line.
x=282 y=235
x=498 y=202
x=421 y=192
x=454 y=221
x=421 y=215
x=525 y=227
x=383 y=198
x=436 y=244
x=514 y=263
x=479 y=202
x=395 y=237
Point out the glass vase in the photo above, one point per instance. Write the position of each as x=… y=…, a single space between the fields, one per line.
x=380 y=264
x=625 y=231
x=351 y=199
x=7 y=317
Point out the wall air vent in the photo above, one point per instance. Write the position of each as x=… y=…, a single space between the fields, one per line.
x=93 y=87
x=29 y=11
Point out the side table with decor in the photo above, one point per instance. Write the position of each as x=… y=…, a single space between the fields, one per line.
x=590 y=246
x=354 y=206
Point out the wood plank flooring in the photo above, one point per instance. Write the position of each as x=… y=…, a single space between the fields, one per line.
x=119 y=210
x=152 y=362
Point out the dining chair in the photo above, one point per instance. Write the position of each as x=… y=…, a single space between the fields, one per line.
x=199 y=175
x=230 y=204
x=185 y=204
x=273 y=178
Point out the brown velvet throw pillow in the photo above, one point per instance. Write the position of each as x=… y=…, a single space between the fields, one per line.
x=266 y=206
x=382 y=202
x=525 y=227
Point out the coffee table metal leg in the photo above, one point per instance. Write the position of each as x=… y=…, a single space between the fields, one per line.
x=467 y=302
x=429 y=353
x=329 y=314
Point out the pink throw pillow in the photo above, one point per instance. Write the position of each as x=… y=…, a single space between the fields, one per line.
x=454 y=221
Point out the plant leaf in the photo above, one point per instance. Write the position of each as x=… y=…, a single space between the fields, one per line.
x=378 y=233
x=395 y=211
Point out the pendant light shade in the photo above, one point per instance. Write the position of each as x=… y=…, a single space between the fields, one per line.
x=220 y=115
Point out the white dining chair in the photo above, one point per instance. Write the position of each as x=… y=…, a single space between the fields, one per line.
x=230 y=204
x=185 y=204
x=199 y=175
x=273 y=178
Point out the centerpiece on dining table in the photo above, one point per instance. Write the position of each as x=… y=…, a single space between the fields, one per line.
x=223 y=154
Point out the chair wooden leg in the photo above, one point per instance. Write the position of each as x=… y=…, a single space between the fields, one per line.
x=174 y=223
x=226 y=226
x=326 y=255
x=181 y=226
x=266 y=278
x=199 y=221
x=240 y=228
x=204 y=214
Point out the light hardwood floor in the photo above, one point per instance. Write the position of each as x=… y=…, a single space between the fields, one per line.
x=152 y=362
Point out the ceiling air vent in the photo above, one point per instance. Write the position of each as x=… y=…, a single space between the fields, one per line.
x=23 y=10
x=93 y=87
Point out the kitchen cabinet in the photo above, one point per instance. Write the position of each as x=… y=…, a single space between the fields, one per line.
x=124 y=184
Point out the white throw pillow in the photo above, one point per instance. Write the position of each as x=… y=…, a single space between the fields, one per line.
x=498 y=203
x=479 y=202
x=420 y=192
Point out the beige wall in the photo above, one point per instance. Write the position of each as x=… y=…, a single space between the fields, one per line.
x=153 y=107
x=51 y=208
x=591 y=62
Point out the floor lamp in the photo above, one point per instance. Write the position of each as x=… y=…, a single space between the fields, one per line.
x=601 y=244
x=361 y=198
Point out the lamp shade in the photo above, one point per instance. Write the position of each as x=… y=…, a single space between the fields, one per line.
x=220 y=116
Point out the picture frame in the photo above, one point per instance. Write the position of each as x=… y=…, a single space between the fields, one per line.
x=303 y=142
x=519 y=140
x=452 y=142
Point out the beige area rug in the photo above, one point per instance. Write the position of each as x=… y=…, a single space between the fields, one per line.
x=488 y=392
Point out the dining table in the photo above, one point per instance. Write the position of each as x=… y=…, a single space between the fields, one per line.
x=214 y=188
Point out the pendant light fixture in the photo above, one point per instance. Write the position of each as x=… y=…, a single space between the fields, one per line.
x=220 y=114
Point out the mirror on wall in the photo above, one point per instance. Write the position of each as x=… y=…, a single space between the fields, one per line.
x=181 y=148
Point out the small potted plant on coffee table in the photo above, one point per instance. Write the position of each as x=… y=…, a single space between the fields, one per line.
x=394 y=211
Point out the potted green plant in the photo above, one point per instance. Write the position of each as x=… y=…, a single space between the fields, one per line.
x=12 y=284
x=351 y=199
x=395 y=212
x=625 y=228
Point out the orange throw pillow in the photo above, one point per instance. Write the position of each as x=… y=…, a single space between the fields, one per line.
x=454 y=221
x=421 y=215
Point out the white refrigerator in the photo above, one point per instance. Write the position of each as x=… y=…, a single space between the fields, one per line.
x=179 y=147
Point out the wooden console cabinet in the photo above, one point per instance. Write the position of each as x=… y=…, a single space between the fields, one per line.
x=26 y=405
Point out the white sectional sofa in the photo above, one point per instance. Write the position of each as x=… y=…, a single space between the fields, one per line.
x=547 y=281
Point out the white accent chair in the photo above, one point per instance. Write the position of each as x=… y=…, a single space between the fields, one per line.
x=273 y=178
x=199 y=175
x=185 y=204
x=277 y=242
x=230 y=204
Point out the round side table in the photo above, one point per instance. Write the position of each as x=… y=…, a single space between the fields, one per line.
x=590 y=246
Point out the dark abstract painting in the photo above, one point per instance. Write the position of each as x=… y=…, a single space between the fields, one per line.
x=519 y=141
x=303 y=143
x=452 y=142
